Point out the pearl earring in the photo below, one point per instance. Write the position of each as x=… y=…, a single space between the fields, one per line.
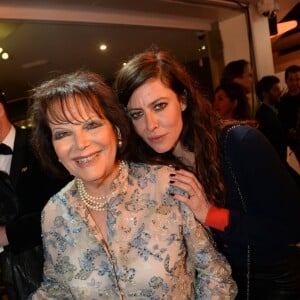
x=120 y=142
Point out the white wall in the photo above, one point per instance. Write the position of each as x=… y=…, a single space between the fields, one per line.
x=235 y=39
x=236 y=42
x=261 y=44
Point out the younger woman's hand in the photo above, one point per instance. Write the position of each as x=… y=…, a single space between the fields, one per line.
x=195 y=196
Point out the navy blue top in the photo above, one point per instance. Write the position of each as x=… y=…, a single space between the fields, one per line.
x=271 y=223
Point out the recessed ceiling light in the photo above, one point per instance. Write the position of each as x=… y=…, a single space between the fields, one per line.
x=4 y=56
x=103 y=47
x=1 y=49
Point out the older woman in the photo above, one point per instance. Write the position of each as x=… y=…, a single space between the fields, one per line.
x=115 y=231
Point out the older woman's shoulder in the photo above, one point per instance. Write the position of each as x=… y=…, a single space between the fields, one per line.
x=144 y=169
x=68 y=189
x=146 y=173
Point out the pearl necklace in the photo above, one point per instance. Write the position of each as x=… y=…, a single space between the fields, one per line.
x=100 y=203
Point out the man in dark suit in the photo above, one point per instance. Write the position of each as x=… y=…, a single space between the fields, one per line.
x=289 y=109
x=268 y=91
x=21 y=238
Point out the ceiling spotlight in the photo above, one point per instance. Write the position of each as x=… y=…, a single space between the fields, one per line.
x=1 y=49
x=103 y=47
x=4 y=56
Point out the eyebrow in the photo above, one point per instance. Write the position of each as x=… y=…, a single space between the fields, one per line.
x=150 y=104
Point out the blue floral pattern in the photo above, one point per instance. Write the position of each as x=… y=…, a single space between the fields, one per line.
x=144 y=255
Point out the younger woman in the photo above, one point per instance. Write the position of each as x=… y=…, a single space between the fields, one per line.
x=255 y=219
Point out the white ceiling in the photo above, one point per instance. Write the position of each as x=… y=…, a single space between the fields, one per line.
x=46 y=37
x=55 y=36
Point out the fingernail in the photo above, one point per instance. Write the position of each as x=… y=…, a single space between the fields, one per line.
x=172 y=194
x=172 y=174
x=171 y=181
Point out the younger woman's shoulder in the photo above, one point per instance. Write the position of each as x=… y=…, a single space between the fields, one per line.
x=239 y=133
x=245 y=143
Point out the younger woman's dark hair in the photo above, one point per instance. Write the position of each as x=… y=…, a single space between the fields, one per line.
x=200 y=124
x=234 y=91
x=52 y=99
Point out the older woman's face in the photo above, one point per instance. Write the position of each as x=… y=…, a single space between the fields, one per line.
x=156 y=113
x=85 y=143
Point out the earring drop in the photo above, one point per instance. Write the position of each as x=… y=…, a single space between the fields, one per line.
x=120 y=143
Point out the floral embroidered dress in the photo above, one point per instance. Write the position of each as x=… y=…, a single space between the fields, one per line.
x=152 y=250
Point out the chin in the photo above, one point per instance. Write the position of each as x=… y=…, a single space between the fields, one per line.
x=161 y=150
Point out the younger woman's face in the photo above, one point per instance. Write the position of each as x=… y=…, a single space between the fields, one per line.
x=223 y=105
x=156 y=113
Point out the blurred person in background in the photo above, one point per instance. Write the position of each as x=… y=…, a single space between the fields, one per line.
x=230 y=102
x=21 y=261
x=289 y=109
x=238 y=71
x=269 y=92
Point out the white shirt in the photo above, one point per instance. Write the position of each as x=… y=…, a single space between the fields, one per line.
x=5 y=160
